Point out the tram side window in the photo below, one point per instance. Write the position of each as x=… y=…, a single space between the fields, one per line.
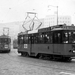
x=20 y=40
x=50 y=39
x=72 y=37
x=65 y=37
x=60 y=37
x=0 y=40
x=29 y=39
x=36 y=39
x=25 y=39
x=57 y=37
x=40 y=38
x=46 y=38
x=32 y=41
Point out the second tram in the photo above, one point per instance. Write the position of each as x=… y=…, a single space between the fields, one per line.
x=5 y=43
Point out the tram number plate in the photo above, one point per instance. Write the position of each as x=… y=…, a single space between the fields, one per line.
x=25 y=45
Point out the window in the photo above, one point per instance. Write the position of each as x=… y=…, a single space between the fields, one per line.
x=72 y=37
x=25 y=39
x=42 y=38
x=69 y=37
x=29 y=39
x=46 y=37
x=65 y=37
x=57 y=37
x=5 y=40
x=34 y=38
x=20 y=39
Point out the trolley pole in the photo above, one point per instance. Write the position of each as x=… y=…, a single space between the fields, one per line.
x=57 y=11
x=5 y=28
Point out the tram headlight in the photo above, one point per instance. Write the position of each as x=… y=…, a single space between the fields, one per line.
x=73 y=51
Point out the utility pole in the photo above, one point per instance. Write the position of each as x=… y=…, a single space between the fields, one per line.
x=57 y=11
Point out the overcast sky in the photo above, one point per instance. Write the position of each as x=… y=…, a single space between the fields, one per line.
x=15 y=10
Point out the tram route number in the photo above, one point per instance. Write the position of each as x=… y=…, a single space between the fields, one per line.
x=25 y=46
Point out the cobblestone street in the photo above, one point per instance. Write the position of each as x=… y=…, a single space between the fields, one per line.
x=14 y=64
x=12 y=67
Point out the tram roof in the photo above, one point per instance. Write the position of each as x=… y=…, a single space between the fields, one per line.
x=57 y=27
x=22 y=33
x=52 y=28
x=33 y=31
x=29 y=32
x=63 y=28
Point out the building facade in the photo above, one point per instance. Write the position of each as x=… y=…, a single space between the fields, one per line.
x=51 y=20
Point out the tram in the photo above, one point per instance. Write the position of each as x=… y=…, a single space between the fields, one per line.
x=56 y=42
x=5 y=43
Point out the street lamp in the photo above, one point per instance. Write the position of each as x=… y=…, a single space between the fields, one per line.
x=57 y=11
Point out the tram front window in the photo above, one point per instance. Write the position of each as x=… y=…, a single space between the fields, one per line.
x=72 y=37
x=65 y=37
x=4 y=40
x=69 y=37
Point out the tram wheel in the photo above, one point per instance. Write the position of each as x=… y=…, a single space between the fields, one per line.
x=51 y=57
x=24 y=54
x=40 y=56
x=67 y=59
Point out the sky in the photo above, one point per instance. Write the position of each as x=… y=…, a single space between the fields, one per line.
x=15 y=10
